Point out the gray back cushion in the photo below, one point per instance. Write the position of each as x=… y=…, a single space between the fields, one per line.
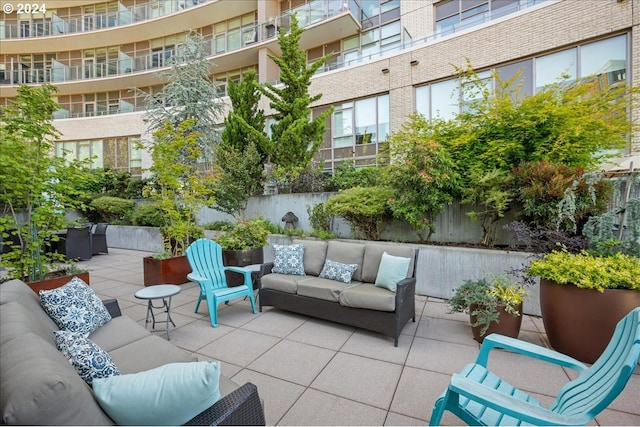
x=347 y=253
x=17 y=320
x=373 y=254
x=39 y=386
x=315 y=252
x=15 y=290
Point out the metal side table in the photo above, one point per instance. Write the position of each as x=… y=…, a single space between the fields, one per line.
x=155 y=292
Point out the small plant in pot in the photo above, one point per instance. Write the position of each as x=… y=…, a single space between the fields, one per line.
x=494 y=304
x=242 y=242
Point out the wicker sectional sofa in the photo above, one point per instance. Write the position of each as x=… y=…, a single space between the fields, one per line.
x=359 y=303
x=39 y=386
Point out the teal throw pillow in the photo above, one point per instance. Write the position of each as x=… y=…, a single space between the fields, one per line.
x=75 y=307
x=171 y=394
x=338 y=271
x=288 y=259
x=391 y=270
x=87 y=357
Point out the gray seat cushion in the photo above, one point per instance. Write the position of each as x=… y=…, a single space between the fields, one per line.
x=324 y=289
x=148 y=353
x=373 y=254
x=39 y=386
x=315 y=252
x=368 y=296
x=347 y=253
x=281 y=282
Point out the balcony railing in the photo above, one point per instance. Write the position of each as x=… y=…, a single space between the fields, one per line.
x=56 y=25
x=239 y=38
x=259 y=33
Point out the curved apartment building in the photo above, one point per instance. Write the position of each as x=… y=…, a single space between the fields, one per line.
x=389 y=58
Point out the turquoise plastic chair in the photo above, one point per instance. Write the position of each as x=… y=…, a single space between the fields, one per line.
x=205 y=259
x=479 y=397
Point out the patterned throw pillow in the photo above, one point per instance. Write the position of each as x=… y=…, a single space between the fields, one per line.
x=75 y=307
x=87 y=357
x=288 y=259
x=338 y=271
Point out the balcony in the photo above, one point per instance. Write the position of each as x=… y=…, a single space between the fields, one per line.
x=236 y=49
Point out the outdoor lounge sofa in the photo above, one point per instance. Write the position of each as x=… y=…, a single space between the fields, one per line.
x=39 y=386
x=360 y=303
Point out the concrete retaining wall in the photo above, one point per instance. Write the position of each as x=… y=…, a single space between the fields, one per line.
x=439 y=270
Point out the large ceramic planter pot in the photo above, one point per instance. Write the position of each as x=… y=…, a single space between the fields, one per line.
x=169 y=271
x=580 y=322
x=507 y=324
x=241 y=258
x=56 y=282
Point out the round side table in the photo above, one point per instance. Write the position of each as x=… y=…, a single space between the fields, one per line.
x=155 y=292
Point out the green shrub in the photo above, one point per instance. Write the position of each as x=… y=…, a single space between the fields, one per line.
x=113 y=210
x=589 y=271
x=148 y=214
x=365 y=208
x=245 y=235
x=321 y=221
x=348 y=176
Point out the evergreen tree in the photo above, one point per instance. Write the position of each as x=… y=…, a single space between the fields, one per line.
x=295 y=137
x=239 y=161
x=189 y=94
x=246 y=122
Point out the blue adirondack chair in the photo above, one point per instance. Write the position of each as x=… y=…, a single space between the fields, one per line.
x=208 y=270
x=479 y=397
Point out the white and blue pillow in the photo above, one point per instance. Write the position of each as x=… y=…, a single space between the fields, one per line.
x=75 y=307
x=88 y=359
x=338 y=271
x=288 y=259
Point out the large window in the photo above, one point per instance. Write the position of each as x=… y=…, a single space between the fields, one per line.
x=357 y=129
x=235 y=33
x=453 y=15
x=120 y=153
x=605 y=59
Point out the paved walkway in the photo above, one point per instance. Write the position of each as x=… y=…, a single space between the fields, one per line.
x=313 y=372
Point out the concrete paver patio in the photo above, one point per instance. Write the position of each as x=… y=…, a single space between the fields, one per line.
x=313 y=372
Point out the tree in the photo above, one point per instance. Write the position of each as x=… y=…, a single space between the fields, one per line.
x=240 y=164
x=245 y=123
x=295 y=137
x=189 y=94
x=182 y=188
x=422 y=175
x=35 y=187
x=566 y=123
x=238 y=178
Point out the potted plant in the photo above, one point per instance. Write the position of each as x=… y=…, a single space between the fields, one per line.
x=494 y=305
x=35 y=188
x=242 y=243
x=583 y=296
x=180 y=188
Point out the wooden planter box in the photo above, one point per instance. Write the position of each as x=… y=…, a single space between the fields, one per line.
x=56 y=282
x=169 y=271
